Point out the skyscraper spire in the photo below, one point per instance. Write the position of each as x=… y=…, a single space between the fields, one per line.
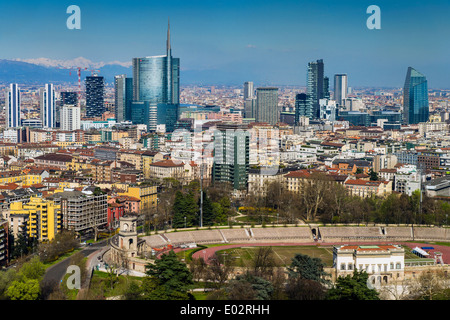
x=168 y=38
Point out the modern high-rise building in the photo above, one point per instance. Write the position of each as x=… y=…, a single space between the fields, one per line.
x=48 y=106
x=12 y=106
x=156 y=80
x=69 y=97
x=70 y=117
x=250 y=108
x=248 y=90
x=315 y=86
x=267 y=105
x=326 y=88
x=95 y=88
x=123 y=95
x=415 y=98
x=340 y=88
x=302 y=107
x=231 y=155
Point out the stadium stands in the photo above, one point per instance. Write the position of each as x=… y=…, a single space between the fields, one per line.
x=329 y=234
x=282 y=234
x=302 y=234
x=430 y=233
x=207 y=236
x=399 y=233
x=235 y=235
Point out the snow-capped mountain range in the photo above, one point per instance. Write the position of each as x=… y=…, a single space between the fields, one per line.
x=77 y=62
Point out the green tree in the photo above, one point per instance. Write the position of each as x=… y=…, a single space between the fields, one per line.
x=352 y=287
x=6 y=278
x=305 y=267
x=249 y=287
x=185 y=205
x=373 y=175
x=28 y=289
x=170 y=277
x=33 y=270
x=208 y=210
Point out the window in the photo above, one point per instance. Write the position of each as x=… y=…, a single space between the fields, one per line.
x=342 y=266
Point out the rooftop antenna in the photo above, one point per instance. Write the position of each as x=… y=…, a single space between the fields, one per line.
x=168 y=49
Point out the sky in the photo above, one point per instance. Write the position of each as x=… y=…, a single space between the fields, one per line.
x=268 y=42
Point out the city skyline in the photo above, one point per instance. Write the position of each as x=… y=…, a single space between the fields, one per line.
x=224 y=42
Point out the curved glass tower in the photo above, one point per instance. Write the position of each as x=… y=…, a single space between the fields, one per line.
x=415 y=98
x=156 y=81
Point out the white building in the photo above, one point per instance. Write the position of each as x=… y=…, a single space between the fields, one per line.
x=340 y=87
x=70 y=118
x=12 y=106
x=385 y=262
x=47 y=106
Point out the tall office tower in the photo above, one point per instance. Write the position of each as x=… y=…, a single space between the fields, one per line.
x=123 y=95
x=267 y=105
x=415 y=98
x=315 y=87
x=70 y=117
x=12 y=106
x=231 y=155
x=248 y=90
x=48 y=106
x=302 y=107
x=68 y=97
x=156 y=79
x=326 y=88
x=340 y=88
x=95 y=88
x=250 y=108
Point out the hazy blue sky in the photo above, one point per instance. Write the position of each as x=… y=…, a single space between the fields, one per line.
x=269 y=42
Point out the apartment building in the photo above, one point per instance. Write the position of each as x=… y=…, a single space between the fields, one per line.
x=82 y=210
x=43 y=217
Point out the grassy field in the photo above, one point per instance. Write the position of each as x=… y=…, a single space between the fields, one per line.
x=283 y=255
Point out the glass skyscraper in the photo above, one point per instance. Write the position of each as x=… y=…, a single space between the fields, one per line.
x=156 y=79
x=301 y=107
x=315 y=86
x=123 y=96
x=415 y=98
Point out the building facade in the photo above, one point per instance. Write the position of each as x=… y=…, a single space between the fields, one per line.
x=267 y=105
x=48 y=106
x=12 y=106
x=231 y=155
x=315 y=86
x=340 y=88
x=95 y=88
x=415 y=98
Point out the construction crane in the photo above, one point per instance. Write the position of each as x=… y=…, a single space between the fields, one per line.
x=79 y=77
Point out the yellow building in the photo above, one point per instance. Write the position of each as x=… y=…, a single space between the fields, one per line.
x=78 y=164
x=19 y=177
x=146 y=194
x=44 y=217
